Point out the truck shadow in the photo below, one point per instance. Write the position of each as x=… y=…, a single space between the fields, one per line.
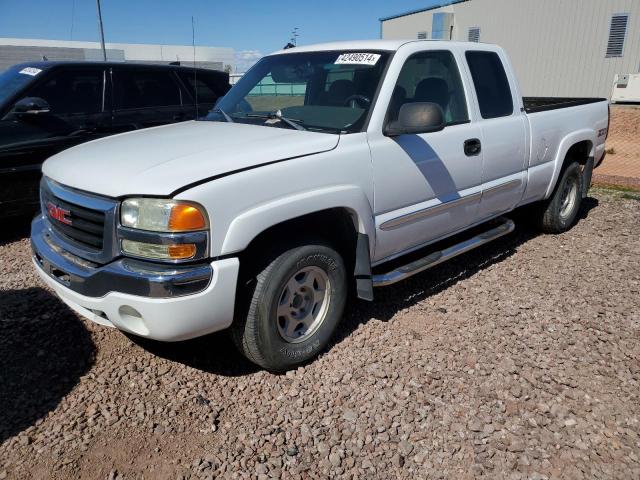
x=44 y=350
x=390 y=300
x=214 y=353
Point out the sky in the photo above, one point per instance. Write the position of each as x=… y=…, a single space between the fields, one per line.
x=253 y=28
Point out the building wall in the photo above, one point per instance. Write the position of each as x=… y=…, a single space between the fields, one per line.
x=18 y=50
x=557 y=46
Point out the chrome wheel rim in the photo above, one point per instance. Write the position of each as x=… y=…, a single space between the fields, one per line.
x=568 y=199
x=303 y=304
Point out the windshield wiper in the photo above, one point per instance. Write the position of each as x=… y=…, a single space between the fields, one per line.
x=277 y=115
x=224 y=114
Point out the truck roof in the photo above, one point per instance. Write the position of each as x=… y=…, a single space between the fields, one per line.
x=389 y=45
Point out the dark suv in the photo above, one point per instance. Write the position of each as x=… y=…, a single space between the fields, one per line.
x=46 y=107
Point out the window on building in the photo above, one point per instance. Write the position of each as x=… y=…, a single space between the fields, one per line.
x=617 y=35
x=423 y=35
x=431 y=77
x=474 y=34
x=491 y=84
x=145 y=88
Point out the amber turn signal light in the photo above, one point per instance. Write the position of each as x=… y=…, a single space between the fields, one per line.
x=185 y=218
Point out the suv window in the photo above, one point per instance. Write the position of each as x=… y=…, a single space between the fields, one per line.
x=140 y=89
x=206 y=89
x=431 y=77
x=71 y=91
x=491 y=84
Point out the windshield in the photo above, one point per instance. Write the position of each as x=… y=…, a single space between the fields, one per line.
x=14 y=79
x=318 y=91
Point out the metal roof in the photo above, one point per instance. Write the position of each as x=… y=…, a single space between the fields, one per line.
x=420 y=10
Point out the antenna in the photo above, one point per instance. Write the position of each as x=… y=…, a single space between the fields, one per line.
x=195 y=72
x=104 y=50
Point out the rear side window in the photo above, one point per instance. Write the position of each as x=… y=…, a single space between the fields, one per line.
x=206 y=90
x=73 y=91
x=142 y=89
x=492 y=86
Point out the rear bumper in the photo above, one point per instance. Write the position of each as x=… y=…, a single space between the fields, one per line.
x=159 y=302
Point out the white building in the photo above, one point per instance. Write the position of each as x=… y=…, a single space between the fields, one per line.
x=18 y=50
x=570 y=48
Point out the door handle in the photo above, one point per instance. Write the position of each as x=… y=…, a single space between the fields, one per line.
x=472 y=147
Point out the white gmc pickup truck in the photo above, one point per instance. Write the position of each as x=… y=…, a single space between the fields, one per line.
x=327 y=169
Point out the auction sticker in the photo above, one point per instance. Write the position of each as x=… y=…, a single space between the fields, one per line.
x=30 y=71
x=358 y=59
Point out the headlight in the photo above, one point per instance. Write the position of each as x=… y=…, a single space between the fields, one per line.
x=162 y=215
x=163 y=229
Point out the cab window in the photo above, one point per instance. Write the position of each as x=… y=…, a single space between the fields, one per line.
x=491 y=84
x=431 y=76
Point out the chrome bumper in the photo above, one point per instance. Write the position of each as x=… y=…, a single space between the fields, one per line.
x=124 y=275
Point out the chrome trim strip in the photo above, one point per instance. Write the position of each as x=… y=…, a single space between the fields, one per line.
x=503 y=186
x=434 y=258
x=425 y=212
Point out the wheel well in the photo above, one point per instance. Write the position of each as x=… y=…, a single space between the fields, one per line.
x=337 y=226
x=579 y=152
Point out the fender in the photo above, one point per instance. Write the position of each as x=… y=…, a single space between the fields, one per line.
x=248 y=225
x=565 y=144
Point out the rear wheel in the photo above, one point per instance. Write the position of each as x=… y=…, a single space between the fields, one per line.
x=558 y=213
x=292 y=307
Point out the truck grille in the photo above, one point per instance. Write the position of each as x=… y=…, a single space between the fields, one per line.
x=81 y=223
x=85 y=226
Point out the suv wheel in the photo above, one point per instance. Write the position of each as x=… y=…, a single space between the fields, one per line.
x=292 y=307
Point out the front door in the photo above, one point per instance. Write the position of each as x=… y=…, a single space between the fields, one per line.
x=429 y=185
x=77 y=114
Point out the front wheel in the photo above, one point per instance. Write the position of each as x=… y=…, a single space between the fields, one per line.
x=292 y=307
x=558 y=213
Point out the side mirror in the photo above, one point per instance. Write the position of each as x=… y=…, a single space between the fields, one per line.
x=31 y=106
x=420 y=117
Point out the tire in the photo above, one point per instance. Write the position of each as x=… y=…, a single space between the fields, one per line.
x=558 y=213
x=291 y=307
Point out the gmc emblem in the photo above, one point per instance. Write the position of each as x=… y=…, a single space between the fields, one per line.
x=59 y=214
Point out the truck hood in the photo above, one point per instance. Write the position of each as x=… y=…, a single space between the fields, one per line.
x=161 y=160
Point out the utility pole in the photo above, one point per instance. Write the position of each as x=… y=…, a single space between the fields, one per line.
x=104 y=50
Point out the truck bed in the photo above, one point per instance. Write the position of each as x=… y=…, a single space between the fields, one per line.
x=541 y=104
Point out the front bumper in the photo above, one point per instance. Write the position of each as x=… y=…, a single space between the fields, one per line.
x=166 y=303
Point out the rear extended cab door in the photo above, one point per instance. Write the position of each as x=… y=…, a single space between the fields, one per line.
x=426 y=186
x=504 y=130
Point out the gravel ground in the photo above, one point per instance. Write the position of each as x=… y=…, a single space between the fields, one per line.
x=519 y=360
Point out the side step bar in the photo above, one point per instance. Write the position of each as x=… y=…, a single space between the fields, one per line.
x=382 y=280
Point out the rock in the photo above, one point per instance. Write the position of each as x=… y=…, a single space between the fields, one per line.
x=350 y=415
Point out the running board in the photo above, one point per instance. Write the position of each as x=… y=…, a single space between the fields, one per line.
x=505 y=227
